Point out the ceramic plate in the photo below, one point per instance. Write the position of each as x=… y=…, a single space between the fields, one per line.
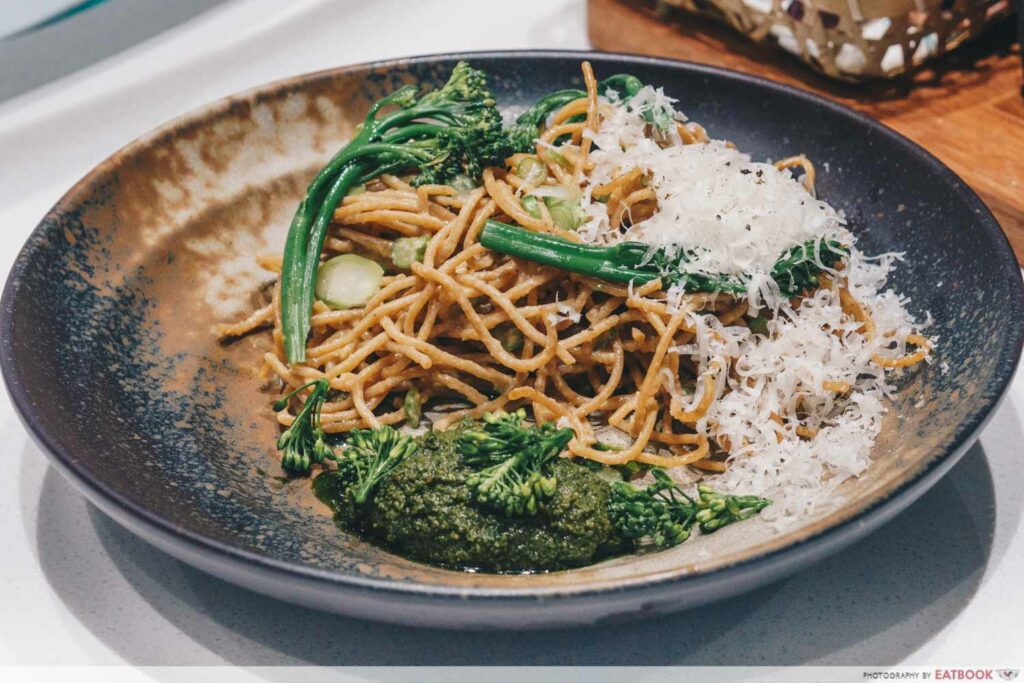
x=109 y=353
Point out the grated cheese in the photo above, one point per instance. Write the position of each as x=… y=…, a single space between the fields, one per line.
x=737 y=217
x=782 y=374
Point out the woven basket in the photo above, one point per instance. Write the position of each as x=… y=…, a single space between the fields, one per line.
x=856 y=40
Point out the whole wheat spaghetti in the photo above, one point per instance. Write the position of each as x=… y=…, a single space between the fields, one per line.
x=471 y=330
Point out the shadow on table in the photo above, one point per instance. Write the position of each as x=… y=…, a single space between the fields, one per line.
x=877 y=601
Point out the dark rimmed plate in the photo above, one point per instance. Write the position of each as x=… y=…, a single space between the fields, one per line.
x=109 y=355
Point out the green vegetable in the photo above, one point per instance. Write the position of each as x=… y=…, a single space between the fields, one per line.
x=532 y=170
x=662 y=512
x=371 y=455
x=758 y=325
x=663 y=515
x=625 y=85
x=413 y=407
x=661 y=117
x=565 y=214
x=530 y=205
x=348 y=281
x=510 y=337
x=524 y=132
x=718 y=510
x=424 y=511
x=632 y=469
x=454 y=130
x=795 y=272
x=303 y=442
x=537 y=114
x=463 y=183
x=514 y=458
x=559 y=159
x=407 y=250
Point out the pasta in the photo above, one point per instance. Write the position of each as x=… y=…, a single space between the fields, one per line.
x=476 y=331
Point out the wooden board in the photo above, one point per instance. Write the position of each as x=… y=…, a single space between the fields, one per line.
x=966 y=108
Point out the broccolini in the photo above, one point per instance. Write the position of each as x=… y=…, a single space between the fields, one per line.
x=303 y=442
x=452 y=131
x=663 y=515
x=795 y=271
x=514 y=456
x=370 y=456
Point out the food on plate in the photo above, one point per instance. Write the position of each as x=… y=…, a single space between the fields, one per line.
x=616 y=330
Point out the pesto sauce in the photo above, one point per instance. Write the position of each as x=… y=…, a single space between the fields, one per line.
x=423 y=511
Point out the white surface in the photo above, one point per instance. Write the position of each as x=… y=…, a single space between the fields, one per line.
x=940 y=585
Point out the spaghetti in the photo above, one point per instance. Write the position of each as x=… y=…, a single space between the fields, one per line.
x=484 y=331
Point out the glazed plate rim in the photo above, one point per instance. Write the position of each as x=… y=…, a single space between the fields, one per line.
x=232 y=560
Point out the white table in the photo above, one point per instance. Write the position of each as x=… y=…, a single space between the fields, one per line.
x=940 y=585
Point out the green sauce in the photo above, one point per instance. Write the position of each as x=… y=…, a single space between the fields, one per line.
x=423 y=512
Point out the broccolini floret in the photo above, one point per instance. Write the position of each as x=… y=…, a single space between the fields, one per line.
x=370 y=456
x=514 y=457
x=663 y=515
x=303 y=442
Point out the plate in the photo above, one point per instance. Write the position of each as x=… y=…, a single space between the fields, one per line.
x=109 y=354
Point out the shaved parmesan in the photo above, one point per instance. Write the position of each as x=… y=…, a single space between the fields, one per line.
x=563 y=312
x=797 y=409
x=780 y=378
x=734 y=215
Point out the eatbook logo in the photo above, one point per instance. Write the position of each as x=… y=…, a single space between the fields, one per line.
x=1008 y=674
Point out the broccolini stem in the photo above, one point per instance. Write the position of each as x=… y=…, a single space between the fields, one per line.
x=795 y=271
x=554 y=251
x=301 y=260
